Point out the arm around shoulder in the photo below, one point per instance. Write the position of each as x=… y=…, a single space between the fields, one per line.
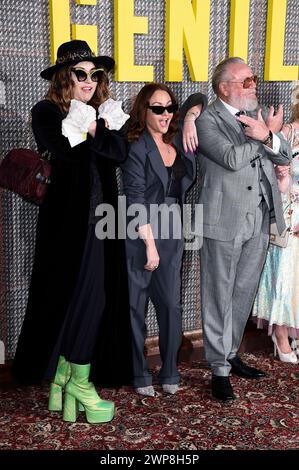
x=191 y=101
x=190 y=112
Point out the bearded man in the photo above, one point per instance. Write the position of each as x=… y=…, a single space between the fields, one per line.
x=239 y=195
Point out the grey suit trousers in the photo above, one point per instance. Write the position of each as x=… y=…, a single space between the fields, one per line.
x=230 y=272
x=163 y=287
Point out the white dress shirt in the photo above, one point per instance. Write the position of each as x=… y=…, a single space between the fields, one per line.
x=275 y=142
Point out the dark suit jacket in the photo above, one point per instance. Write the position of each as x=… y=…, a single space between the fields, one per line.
x=146 y=178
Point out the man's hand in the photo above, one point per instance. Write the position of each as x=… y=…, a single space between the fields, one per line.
x=274 y=122
x=255 y=128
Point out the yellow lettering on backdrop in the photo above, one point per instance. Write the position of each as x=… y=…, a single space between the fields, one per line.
x=126 y=25
x=59 y=24
x=239 y=24
x=88 y=33
x=86 y=2
x=187 y=27
x=276 y=20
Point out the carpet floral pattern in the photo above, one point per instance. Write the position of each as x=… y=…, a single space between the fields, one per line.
x=264 y=416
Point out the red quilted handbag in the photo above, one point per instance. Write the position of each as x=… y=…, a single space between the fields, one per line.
x=26 y=173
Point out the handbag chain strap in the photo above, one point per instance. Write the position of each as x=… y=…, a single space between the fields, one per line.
x=46 y=155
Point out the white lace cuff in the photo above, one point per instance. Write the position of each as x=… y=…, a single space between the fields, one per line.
x=111 y=110
x=77 y=122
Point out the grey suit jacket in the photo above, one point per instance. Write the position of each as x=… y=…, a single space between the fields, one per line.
x=227 y=160
x=145 y=179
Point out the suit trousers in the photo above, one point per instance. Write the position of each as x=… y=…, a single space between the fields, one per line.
x=163 y=286
x=230 y=272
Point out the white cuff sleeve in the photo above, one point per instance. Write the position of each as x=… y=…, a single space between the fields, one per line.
x=275 y=145
x=77 y=122
x=111 y=110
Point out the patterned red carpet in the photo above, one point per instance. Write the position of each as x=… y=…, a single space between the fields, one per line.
x=264 y=416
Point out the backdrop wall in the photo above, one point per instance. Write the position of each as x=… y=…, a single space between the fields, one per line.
x=25 y=51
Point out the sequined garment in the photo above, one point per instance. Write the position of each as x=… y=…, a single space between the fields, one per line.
x=277 y=300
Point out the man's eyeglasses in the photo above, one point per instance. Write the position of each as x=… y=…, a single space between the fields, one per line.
x=172 y=108
x=95 y=75
x=246 y=82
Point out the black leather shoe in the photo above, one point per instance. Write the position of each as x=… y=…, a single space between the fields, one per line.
x=242 y=370
x=222 y=389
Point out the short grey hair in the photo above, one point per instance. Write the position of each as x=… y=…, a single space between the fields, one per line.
x=220 y=71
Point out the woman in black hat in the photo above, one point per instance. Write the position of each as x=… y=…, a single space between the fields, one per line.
x=68 y=298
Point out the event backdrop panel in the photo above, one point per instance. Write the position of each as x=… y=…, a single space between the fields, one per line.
x=25 y=51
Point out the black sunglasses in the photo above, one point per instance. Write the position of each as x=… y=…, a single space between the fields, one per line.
x=172 y=108
x=95 y=75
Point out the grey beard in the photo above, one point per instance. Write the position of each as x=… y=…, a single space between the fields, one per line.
x=244 y=104
x=250 y=105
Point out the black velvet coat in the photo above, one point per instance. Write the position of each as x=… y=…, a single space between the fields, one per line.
x=61 y=233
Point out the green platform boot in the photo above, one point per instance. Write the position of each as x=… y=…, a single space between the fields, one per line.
x=62 y=376
x=78 y=391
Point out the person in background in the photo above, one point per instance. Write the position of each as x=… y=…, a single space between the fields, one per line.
x=67 y=297
x=156 y=172
x=276 y=305
x=239 y=189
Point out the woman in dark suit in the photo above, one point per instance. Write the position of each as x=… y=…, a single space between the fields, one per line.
x=156 y=172
x=68 y=293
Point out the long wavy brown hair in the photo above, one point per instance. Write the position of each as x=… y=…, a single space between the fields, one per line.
x=61 y=90
x=137 y=122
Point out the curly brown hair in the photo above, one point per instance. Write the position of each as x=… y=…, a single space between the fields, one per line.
x=137 y=122
x=61 y=90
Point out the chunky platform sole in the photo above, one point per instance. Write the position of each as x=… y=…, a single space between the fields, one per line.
x=56 y=398
x=96 y=416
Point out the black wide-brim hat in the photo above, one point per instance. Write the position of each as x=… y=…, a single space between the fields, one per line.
x=72 y=52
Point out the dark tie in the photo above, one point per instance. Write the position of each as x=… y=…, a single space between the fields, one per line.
x=240 y=113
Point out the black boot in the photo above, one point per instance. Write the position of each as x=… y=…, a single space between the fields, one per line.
x=221 y=388
x=242 y=370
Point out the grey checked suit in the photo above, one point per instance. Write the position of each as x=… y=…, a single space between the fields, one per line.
x=239 y=192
